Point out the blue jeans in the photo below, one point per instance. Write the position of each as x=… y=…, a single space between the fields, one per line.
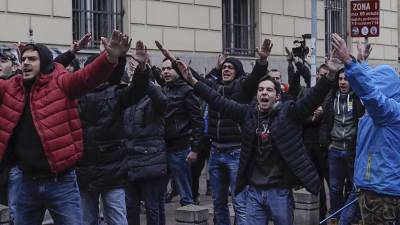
x=180 y=171
x=223 y=168
x=58 y=195
x=275 y=203
x=341 y=168
x=353 y=211
x=14 y=184
x=152 y=191
x=114 y=207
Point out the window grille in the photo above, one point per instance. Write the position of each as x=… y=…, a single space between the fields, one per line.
x=238 y=27
x=335 y=21
x=99 y=17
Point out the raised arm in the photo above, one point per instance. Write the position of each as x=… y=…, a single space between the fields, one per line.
x=230 y=108
x=158 y=98
x=66 y=58
x=140 y=80
x=88 y=78
x=249 y=85
x=305 y=106
x=380 y=107
x=137 y=89
x=293 y=76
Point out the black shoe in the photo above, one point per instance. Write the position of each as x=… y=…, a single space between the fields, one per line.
x=170 y=195
x=197 y=201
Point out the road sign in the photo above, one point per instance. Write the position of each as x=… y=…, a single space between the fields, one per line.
x=364 y=18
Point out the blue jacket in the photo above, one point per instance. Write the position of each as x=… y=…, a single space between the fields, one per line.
x=378 y=140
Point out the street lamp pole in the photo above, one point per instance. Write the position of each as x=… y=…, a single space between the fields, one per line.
x=313 y=42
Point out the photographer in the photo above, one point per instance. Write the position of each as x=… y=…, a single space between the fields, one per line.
x=311 y=126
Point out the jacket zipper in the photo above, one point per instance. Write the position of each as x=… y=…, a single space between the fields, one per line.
x=368 y=172
x=37 y=130
x=343 y=132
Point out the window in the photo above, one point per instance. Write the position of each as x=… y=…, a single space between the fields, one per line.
x=335 y=21
x=99 y=17
x=238 y=27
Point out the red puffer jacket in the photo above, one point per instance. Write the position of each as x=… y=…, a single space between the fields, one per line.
x=54 y=109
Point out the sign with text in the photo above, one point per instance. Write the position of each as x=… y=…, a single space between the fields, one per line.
x=365 y=18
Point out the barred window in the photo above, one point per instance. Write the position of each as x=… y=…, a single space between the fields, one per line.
x=238 y=27
x=335 y=21
x=99 y=17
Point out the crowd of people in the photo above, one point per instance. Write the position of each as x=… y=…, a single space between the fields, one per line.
x=111 y=133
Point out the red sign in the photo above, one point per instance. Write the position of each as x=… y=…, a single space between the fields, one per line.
x=365 y=18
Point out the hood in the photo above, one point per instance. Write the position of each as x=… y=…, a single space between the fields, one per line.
x=46 y=58
x=237 y=64
x=387 y=80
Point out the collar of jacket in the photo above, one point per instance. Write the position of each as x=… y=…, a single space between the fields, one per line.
x=176 y=83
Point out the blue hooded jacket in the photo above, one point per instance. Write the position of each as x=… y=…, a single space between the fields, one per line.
x=378 y=140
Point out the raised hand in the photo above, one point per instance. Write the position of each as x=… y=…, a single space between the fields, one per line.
x=334 y=65
x=265 y=49
x=141 y=56
x=363 y=51
x=165 y=52
x=126 y=46
x=185 y=72
x=220 y=61
x=116 y=46
x=340 y=48
x=290 y=56
x=81 y=43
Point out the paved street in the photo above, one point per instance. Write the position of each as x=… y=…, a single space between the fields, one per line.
x=205 y=201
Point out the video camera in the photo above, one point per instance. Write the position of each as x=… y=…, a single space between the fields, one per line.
x=302 y=50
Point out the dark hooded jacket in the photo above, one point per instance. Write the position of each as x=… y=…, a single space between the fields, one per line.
x=346 y=109
x=144 y=125
x=183 y=121
x=223 y=131
x=103 y=165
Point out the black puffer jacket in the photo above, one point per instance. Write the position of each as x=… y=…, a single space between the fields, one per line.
x=183 y=120
x=144 y=124
x=285 y=131
x=103 y=164
x=242 y=89
x=311 y=134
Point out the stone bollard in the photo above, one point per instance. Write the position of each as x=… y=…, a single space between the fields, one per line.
x=4 y=215
x=306 y=208
x=191 y=215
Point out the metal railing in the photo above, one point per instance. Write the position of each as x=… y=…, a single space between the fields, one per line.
x=99 y=17
x=238 y=27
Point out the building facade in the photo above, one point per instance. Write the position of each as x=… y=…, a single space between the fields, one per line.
x=196 y=30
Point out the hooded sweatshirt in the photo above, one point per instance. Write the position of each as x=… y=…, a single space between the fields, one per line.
x=378 y=141
x=224 y=132
x=344 y=127
x=25 y=143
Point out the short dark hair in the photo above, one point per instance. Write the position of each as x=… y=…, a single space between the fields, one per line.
x=28 y=47
x=277 y=85
x=323 y=66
